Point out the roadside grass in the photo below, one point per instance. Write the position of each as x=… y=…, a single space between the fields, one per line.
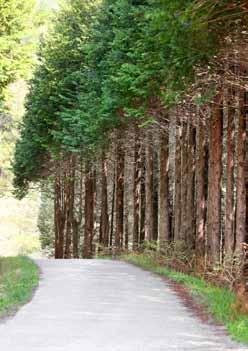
x=219 y=302
x=19 y=276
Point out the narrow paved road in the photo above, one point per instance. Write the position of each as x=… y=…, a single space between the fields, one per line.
x=95 y=305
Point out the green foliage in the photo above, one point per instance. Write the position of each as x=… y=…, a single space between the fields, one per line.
x=15 y=45
x=19 y=276
x=104 y=63
x=218 y=301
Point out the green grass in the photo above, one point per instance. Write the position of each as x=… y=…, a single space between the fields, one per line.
x=19 y=276
x=218 y=301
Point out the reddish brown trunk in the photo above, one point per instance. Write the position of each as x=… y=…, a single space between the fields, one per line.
x=89 y=211
x=164 y=208
x=69 y=200
x=184 y=176
x=59 y=214
x=177 y=201
x=201 y=197
x=214 y=187
x=142 y=198
x=136 y=190
x=230 y=208
x=241 y=187
x=104 y=220
x=149 y=221
x=119 y=206
x=190 y=209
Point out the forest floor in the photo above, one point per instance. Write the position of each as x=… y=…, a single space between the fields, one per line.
x=107 y=305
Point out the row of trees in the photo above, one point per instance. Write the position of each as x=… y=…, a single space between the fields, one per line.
x=137 y=116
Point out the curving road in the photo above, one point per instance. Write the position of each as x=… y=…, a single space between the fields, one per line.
x=102 y=305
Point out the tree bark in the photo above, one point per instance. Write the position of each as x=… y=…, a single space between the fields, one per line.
x=89 y=211
x=230 y=207
x=201 y=186
x=241 y=186
x=136 y=189
x=104 y=220
x=190 y=209
x=178 y=185
x=184 y=177
x=119 y=206
x=149 y=221
x=214 y=186
x=164 y=208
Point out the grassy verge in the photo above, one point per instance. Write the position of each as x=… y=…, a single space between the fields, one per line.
x=219 y=301
x=19 y=276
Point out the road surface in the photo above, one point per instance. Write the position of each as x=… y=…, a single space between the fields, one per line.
x=103 y=305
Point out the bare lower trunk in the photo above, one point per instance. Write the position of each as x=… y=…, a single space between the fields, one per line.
x=201 y=169
x=214 y=187
x=119 y=206
x=89 y=211
x=136 y=190
x=104 y=220
x=177 y=199
x=190 y=209
x=149 y=222
x=230 y=208
x=241 y=187
x=164 y=208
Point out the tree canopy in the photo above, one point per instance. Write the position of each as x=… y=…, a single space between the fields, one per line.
x=104 y=62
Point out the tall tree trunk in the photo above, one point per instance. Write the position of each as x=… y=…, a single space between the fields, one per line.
x=230 y=208
x=70 y=195
x=142 y=198
x=104 y=220
x=155 y=195
x=149 y=221
x=214 y=186
x=164 y=208
x=178 y=186
x=241 y=186
x=112 y=210
x=190 y=209
x=184 y=177
x=201 y=186
x=119 y=206
x=136 y=189
x=89 y=211
x=59 y=215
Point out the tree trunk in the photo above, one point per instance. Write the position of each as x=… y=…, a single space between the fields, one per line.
x=149 y=221
x=214 y=186
x=104 y=220
x=70 y=195
x=190 y=209
x=184 y=177
x=89 y=211
x=230 y=208
x=201 y=186
x=59 y=216
x=178 y=186
x=142 y=198
x=119 y=206
x=164 y=208
x=241 y=186
x=136 y=189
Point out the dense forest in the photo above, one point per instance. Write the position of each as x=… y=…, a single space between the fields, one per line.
x=135 y=128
